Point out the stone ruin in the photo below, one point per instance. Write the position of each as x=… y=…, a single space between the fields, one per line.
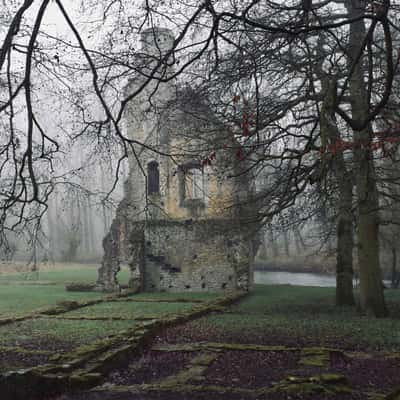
x=184 y=223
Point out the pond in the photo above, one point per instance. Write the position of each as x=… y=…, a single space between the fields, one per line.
x=294 y=278
x=299 y=278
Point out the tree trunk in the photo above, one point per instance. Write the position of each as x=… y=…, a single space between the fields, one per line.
x=286 y=242
x=262 y=251
x=297 y=241
x=344 y=231
x=51 y=232
x=394 y=268
x=85 y=226
x=92 y=235
x=106 y=225
x=344 y=256
x=272 y=241
x=371 y=290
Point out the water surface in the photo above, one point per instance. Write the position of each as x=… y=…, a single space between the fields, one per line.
x=294 y=278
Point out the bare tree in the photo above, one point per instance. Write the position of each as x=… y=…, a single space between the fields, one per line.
x=260 y=57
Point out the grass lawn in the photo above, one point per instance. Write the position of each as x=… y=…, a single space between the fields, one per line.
x=23 y=292
x=299 y=346
x=274 y=315
x=205 y=296
x=61 y=273
x=298 y=314
x=16 y=300
x=19 y=295
x=58 y=334
x=126 y=309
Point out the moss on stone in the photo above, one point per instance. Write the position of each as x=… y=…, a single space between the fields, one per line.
x=330 y=385
x=80 y=287
x=185 y=347
x=194 y=372
x=155 y=300
x=394 y=395
x=247 y=347
x=392 y=355
x=21 y=350
x=204 y=359
x=375 y=396
x=195 y=346
x=83 y=368
x=325 y=383
x=92 y=318
x=316 y=357
x=11 y=320
x=178 y=389
x=357 y=355
x=84 y=381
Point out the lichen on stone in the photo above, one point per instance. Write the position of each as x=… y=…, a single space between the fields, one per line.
x=316 y=357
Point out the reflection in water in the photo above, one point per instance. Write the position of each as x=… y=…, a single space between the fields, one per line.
x=294 y=278
x=300 y=278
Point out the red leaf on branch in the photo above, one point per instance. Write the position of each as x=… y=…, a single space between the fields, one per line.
x=240 y=155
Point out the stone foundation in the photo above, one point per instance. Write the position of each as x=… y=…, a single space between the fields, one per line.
x=176 y=256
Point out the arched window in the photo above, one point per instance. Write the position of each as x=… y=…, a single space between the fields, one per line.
x=153 y=178
x=194 y=184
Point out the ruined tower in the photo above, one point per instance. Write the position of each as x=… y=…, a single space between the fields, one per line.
x=183 y=223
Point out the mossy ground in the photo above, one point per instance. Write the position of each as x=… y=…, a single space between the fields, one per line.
x=58 y=334
x=279 y=342
x=130 y=309
x=303 y=315
x=25 y=295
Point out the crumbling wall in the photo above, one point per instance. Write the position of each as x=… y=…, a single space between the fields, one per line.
x=123 y=243
x=173 y=237
x=209 y=255
x=110 y=266
x=176 y=256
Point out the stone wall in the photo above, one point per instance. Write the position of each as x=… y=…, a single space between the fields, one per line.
x=198 y=255
x=177 y=256
x=192 y=230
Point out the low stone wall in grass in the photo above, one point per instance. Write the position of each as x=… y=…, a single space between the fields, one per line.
x=85 y=367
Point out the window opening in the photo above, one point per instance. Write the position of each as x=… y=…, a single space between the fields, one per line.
x=194 y=184
x=153 y=178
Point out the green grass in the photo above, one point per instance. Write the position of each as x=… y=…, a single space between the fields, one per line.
x=205 y=296
x=50 y=333
x=130 y=309
x=84 y=273
x=294 y=313
x=19 y=295
x=306 y=314
x=23 y=292
x=16 y=300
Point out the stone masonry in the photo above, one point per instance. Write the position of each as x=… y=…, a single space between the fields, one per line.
x=184 y=223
